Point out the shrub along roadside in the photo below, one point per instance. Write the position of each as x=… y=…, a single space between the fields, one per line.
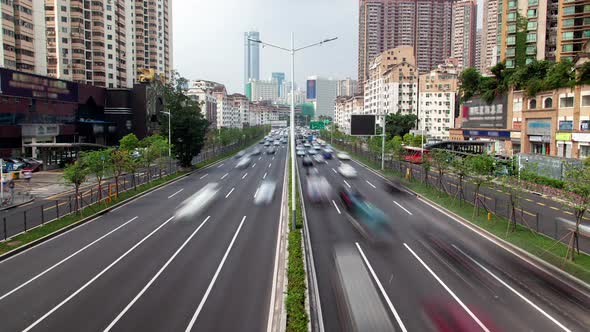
x=297 y=318
x=536 y=244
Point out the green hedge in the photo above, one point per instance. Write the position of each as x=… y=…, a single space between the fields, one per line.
x=542 y=180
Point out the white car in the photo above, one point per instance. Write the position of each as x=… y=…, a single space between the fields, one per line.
x=265 y=193
x=343 y=156
x=318 y=158
x=347 y=171
x=199 y=201
x=243 y=163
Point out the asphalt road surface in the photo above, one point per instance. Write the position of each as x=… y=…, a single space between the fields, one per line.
x=430 y=271
x=139 y=269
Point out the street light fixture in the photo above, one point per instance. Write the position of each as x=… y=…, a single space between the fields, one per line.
x=292 y=50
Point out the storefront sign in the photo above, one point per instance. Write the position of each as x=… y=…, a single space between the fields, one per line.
x=585 y=125
x=487 y=133
x=581 y=137
x=13 y=83
x=516 y=125
x=545 y=139
x=566 y=125
x=33 y=130
x=479 y=114
x=540 y=127
x=563 y=136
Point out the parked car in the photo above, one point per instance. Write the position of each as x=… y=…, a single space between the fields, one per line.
x=32 y=167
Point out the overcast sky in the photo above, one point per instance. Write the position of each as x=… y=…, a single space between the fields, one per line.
x=208 y=37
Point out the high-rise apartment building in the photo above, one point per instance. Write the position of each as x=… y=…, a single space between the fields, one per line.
x=153 y=34
x=322 y=93
x=573 y=29
x=259 y=90
x=489 y=36
x=347 y=87
x=251 y=56
x=23 y=36
x=438 y=98
x=540 y=34
x=477 y=63
x=425 y=25
x=463 y=32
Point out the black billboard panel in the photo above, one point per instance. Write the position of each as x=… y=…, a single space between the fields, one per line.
x=362 y=125
x=477 y=113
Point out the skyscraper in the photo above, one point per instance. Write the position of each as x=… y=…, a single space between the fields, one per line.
x=347 y=87
x=489 y=36
x=424 y=25
x=477 y=63
x=251 y=57
x=279 y=78
x=464 y=32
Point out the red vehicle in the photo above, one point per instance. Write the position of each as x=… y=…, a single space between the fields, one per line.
x=415 y=155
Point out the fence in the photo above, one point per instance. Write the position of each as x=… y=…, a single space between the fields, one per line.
x=494 y=198
x=45 y=211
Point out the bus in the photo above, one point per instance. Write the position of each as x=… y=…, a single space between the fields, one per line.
x=460 y=147
x=414 y=155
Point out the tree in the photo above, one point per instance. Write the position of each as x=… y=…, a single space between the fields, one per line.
x=577 y=197
x=513 y=187
x=76 y=174
x=584 y=74
x=459 y=165
x=395 y=147
x=481 y=168
x=189 y=126
x=441 y=160
x=426 y=165
x=408 y=139
x=159 y=145
x=148 y=153
x=560 y=75
x=98 y=163
x=130 y=144
x=119 y=158
x=397 y=124
x=469 y=81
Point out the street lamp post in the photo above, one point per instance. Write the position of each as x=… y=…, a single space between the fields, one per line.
x=292 y=51
x=169 y=141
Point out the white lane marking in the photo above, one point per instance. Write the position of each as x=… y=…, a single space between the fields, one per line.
x=391 y=307
x=244 y=176
x=269 y=165
x=253 y=165
x=370 y=184
x=259 y=158
x=175 y=193
x=64 y=260
x=515 y=291
x=95 y=277
x=204 y=176
x=483 y=327
x=220 y=165
x=224 y=175
x=403 y=208
x=264 y=177
x=256 y=193
x=200 y=307
x=155 y=277
x=334 y=171
x=347 y=184
x=229 y=193
x=273 y=158
x=336 y=206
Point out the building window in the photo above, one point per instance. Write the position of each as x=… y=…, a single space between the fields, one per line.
x=511 y=4
x=532 y=25
x=532 y=104
x=566 y=102
x=569 y=10
x=531 y=37
x=64 y=19
x=548 y=103
x=511 y=40
x=511 y=28
x=568 y=22
x=511 y=51
x=531 y=49
x=533 y=2
x=585 y=100
x=531 y=13
x=567 y=48
x=511 y=17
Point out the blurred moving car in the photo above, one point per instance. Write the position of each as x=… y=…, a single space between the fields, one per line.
x=240 y=154
x=318 y=189
x=307 y=162
x=369 y=217
x=266 y=143
x=32 y=167
x=327 y=153
x=261 y=142
x=256 y=152
x=318 y=158
x=271 y=151
x=197 y=202
x=311 y=152
x=277 y=143
x=343 y=156
x=347 y=171
x=244 y=162
x=265 y=193
x=300 y=153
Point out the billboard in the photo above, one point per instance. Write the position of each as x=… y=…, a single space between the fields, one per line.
x=362 y=125
x=311 y=89
x=18 y=84
x=479 y=114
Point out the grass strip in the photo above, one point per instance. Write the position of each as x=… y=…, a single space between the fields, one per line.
x=297 y=318
x=544 y=247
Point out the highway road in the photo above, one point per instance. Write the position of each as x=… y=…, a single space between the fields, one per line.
x=431 y=270
x=137 y=268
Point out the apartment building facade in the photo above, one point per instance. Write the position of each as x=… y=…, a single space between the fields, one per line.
x=345 y=107
x=153 y=35
x=438 y=101
x=202 y=92
x=322 y=93
x=489 y=36
x=393 y=83
x=424 y=25
x=464 y=32
x=346 y=87
x=23 y=36
x=240 y=111
x=258 y=90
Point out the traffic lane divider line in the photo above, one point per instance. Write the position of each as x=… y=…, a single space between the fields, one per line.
x=223 y=177
x=212 y=283
x=381 y=289
x=175 y=193
x=244 y=176
x=542 y=204
x=555 y=321
x=66 y=300
x=455 y=297
x=204 y=176
x=403 y=208
x=145 y=288
x=336 y=206
x=229 y=193
x=65 y=259
x=554 y=208
x=370 y=184
x=347 y=184
x=220 y=165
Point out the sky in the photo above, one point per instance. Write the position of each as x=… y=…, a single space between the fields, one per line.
x=208 y=38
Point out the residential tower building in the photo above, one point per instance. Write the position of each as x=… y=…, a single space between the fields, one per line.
x=438 y=100
x=463 y=32
x=347 y=87
x=345 y=107
x=322 y=93
x=489 y=36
